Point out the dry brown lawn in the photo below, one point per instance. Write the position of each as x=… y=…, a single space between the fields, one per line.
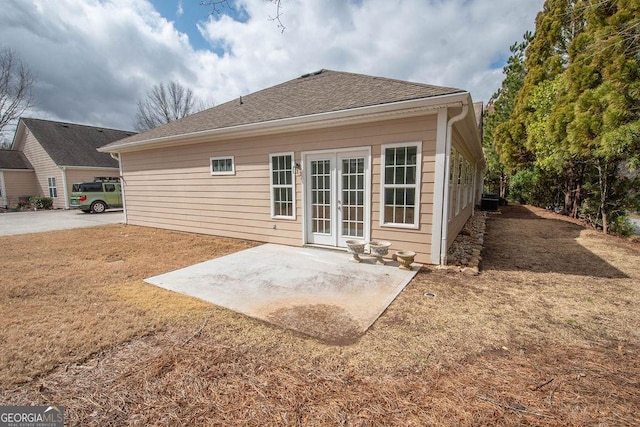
x=548 y=334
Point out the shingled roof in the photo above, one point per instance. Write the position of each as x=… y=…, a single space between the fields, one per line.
x=70 y=144
x=14 y=159
x=321 y=92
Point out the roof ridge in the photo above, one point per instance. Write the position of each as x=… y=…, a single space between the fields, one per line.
x=74 y=124
x=389 y=79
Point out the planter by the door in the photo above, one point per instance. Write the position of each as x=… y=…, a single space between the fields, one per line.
x=379 y=248
x=406 y=258
x=356 y=247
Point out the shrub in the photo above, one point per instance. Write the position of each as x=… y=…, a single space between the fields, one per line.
x=41 y=202
x=521 y=186
x=621 y=225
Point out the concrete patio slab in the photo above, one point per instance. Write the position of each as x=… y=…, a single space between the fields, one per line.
x=317 y=292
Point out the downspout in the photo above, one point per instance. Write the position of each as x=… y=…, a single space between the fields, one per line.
x=116 y=156
x=447 y=166
x=65 y=193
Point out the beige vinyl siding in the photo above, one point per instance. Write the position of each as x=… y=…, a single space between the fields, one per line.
x=465 y=210
x=75 y=175
x=172 y=187
x=18 y=183
x=44 y=168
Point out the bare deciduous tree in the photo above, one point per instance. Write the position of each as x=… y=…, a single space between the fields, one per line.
x=166 y=103
x=16 y=83
x=217 y=7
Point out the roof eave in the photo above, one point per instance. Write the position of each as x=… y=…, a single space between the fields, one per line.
x=88 y=167
x=400 y=109
x=17 y=136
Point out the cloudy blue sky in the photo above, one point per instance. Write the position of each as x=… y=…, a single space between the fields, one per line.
x=95 y=58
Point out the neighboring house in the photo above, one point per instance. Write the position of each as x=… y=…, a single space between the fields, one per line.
x=16 y=178
x=47 y=157
x=317 y=160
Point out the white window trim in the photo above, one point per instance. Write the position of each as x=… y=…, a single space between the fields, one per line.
x=472 y=168
x=452 y=180
x=233 y=165
x=465 y=170
x=419 y=160
x=52 y=187
x=459 y=168
x=468 y=184
x=292 y=186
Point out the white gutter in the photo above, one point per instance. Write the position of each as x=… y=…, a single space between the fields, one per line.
x=445 y=192
x=409 y=108
x=65 y=193
x=96 y=168
x=3 y=191
x=116 y=156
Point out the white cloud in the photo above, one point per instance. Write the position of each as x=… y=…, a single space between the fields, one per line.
x=95 y=58
x=180 y=10
x=450 y=43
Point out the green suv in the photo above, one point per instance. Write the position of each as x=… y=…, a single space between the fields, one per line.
x=96 y=196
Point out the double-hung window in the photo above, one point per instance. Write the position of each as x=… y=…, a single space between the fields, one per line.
x=282 y=185
x=223 y=165
x=53 y=190
x=401 y=172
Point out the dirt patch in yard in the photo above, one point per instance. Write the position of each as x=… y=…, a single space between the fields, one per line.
x=329 y=323
x=530 y=341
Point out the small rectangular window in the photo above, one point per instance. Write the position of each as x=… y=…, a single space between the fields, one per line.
x=53 y=190
x=401 y=165
x=223 y=165
x=282 y=179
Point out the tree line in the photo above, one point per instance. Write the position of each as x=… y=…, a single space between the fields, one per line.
x=563 y=130
x=163 y=103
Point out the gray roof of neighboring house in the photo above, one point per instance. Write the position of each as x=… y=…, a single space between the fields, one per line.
x=320 y=92
x=70 y=144
x=14 y=159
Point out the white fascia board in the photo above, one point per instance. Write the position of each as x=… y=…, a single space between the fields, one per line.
x=17 y=137
x=97 y=168
x=315 y=121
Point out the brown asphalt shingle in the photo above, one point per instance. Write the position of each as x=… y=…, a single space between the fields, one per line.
x=320 y=92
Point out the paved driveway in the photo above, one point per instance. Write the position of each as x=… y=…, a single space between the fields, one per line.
x=39 y=221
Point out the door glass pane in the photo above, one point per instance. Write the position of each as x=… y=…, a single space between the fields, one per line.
x=321 y=196
x=352 y=197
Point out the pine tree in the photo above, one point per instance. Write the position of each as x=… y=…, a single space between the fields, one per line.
x=603 y=80
x=499 y=111
x=576 y=120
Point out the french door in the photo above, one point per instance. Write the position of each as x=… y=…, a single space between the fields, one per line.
x=337 y=186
